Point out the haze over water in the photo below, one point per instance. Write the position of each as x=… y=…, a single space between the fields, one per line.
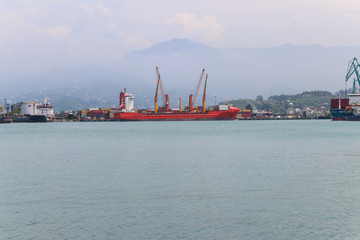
x=172 y=180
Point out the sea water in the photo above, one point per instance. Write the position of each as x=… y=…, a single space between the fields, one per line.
x=295 y=179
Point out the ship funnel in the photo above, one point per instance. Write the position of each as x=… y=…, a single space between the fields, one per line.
x=190 y=102
x=122 y=100
x=167 y=102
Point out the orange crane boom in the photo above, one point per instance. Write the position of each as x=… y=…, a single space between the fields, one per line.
x=198 y=86
x=161 y=87
x=204 y=95
x=156 y=92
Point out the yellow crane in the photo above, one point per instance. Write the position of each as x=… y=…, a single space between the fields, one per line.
x=198 y=86
x=157 y=88
x=204 y=95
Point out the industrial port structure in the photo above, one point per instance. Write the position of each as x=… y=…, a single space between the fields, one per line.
x=126 y=111
x=348 y=108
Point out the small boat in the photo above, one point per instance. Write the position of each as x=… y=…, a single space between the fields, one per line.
x=5 y=120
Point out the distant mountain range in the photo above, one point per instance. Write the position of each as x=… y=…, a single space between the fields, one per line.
x=233 y=74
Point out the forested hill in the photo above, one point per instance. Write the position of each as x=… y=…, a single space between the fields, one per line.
x=279 y=103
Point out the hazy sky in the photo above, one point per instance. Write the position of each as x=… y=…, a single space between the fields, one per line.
x=36 y=35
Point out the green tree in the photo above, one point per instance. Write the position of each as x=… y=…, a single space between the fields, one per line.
x=248 y=107
x=15 y=110
x=259 y=98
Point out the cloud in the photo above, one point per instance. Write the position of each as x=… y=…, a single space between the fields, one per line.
x=55 y=32
x=104 y=10
x=124 y=37
x=96 y=9
x=207 y=27
x=14 y=27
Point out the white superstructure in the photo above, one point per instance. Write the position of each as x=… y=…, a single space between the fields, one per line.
x=25 y=108
x=45 y=110
x=354 y=98
x=129 y=102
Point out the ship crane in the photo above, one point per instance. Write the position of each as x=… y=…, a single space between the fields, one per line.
x=165 y=97
x=353 y=68
x=198 y=86
x=204 y=95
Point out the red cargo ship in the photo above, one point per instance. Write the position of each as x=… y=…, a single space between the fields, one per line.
x=190 y=113
x=229 y=114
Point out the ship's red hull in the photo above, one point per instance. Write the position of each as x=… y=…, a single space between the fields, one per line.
x=178 y=116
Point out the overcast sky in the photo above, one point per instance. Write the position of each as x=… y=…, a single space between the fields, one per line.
x=36 y=35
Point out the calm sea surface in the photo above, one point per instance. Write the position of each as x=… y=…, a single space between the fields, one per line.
x=180 y=180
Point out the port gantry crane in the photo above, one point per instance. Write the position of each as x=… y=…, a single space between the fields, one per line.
x=353 y=68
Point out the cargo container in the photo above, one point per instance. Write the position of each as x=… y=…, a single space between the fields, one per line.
x=340 y=103
x=223 y=107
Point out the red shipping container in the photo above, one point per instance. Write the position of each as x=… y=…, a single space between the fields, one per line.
x=343 y=102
